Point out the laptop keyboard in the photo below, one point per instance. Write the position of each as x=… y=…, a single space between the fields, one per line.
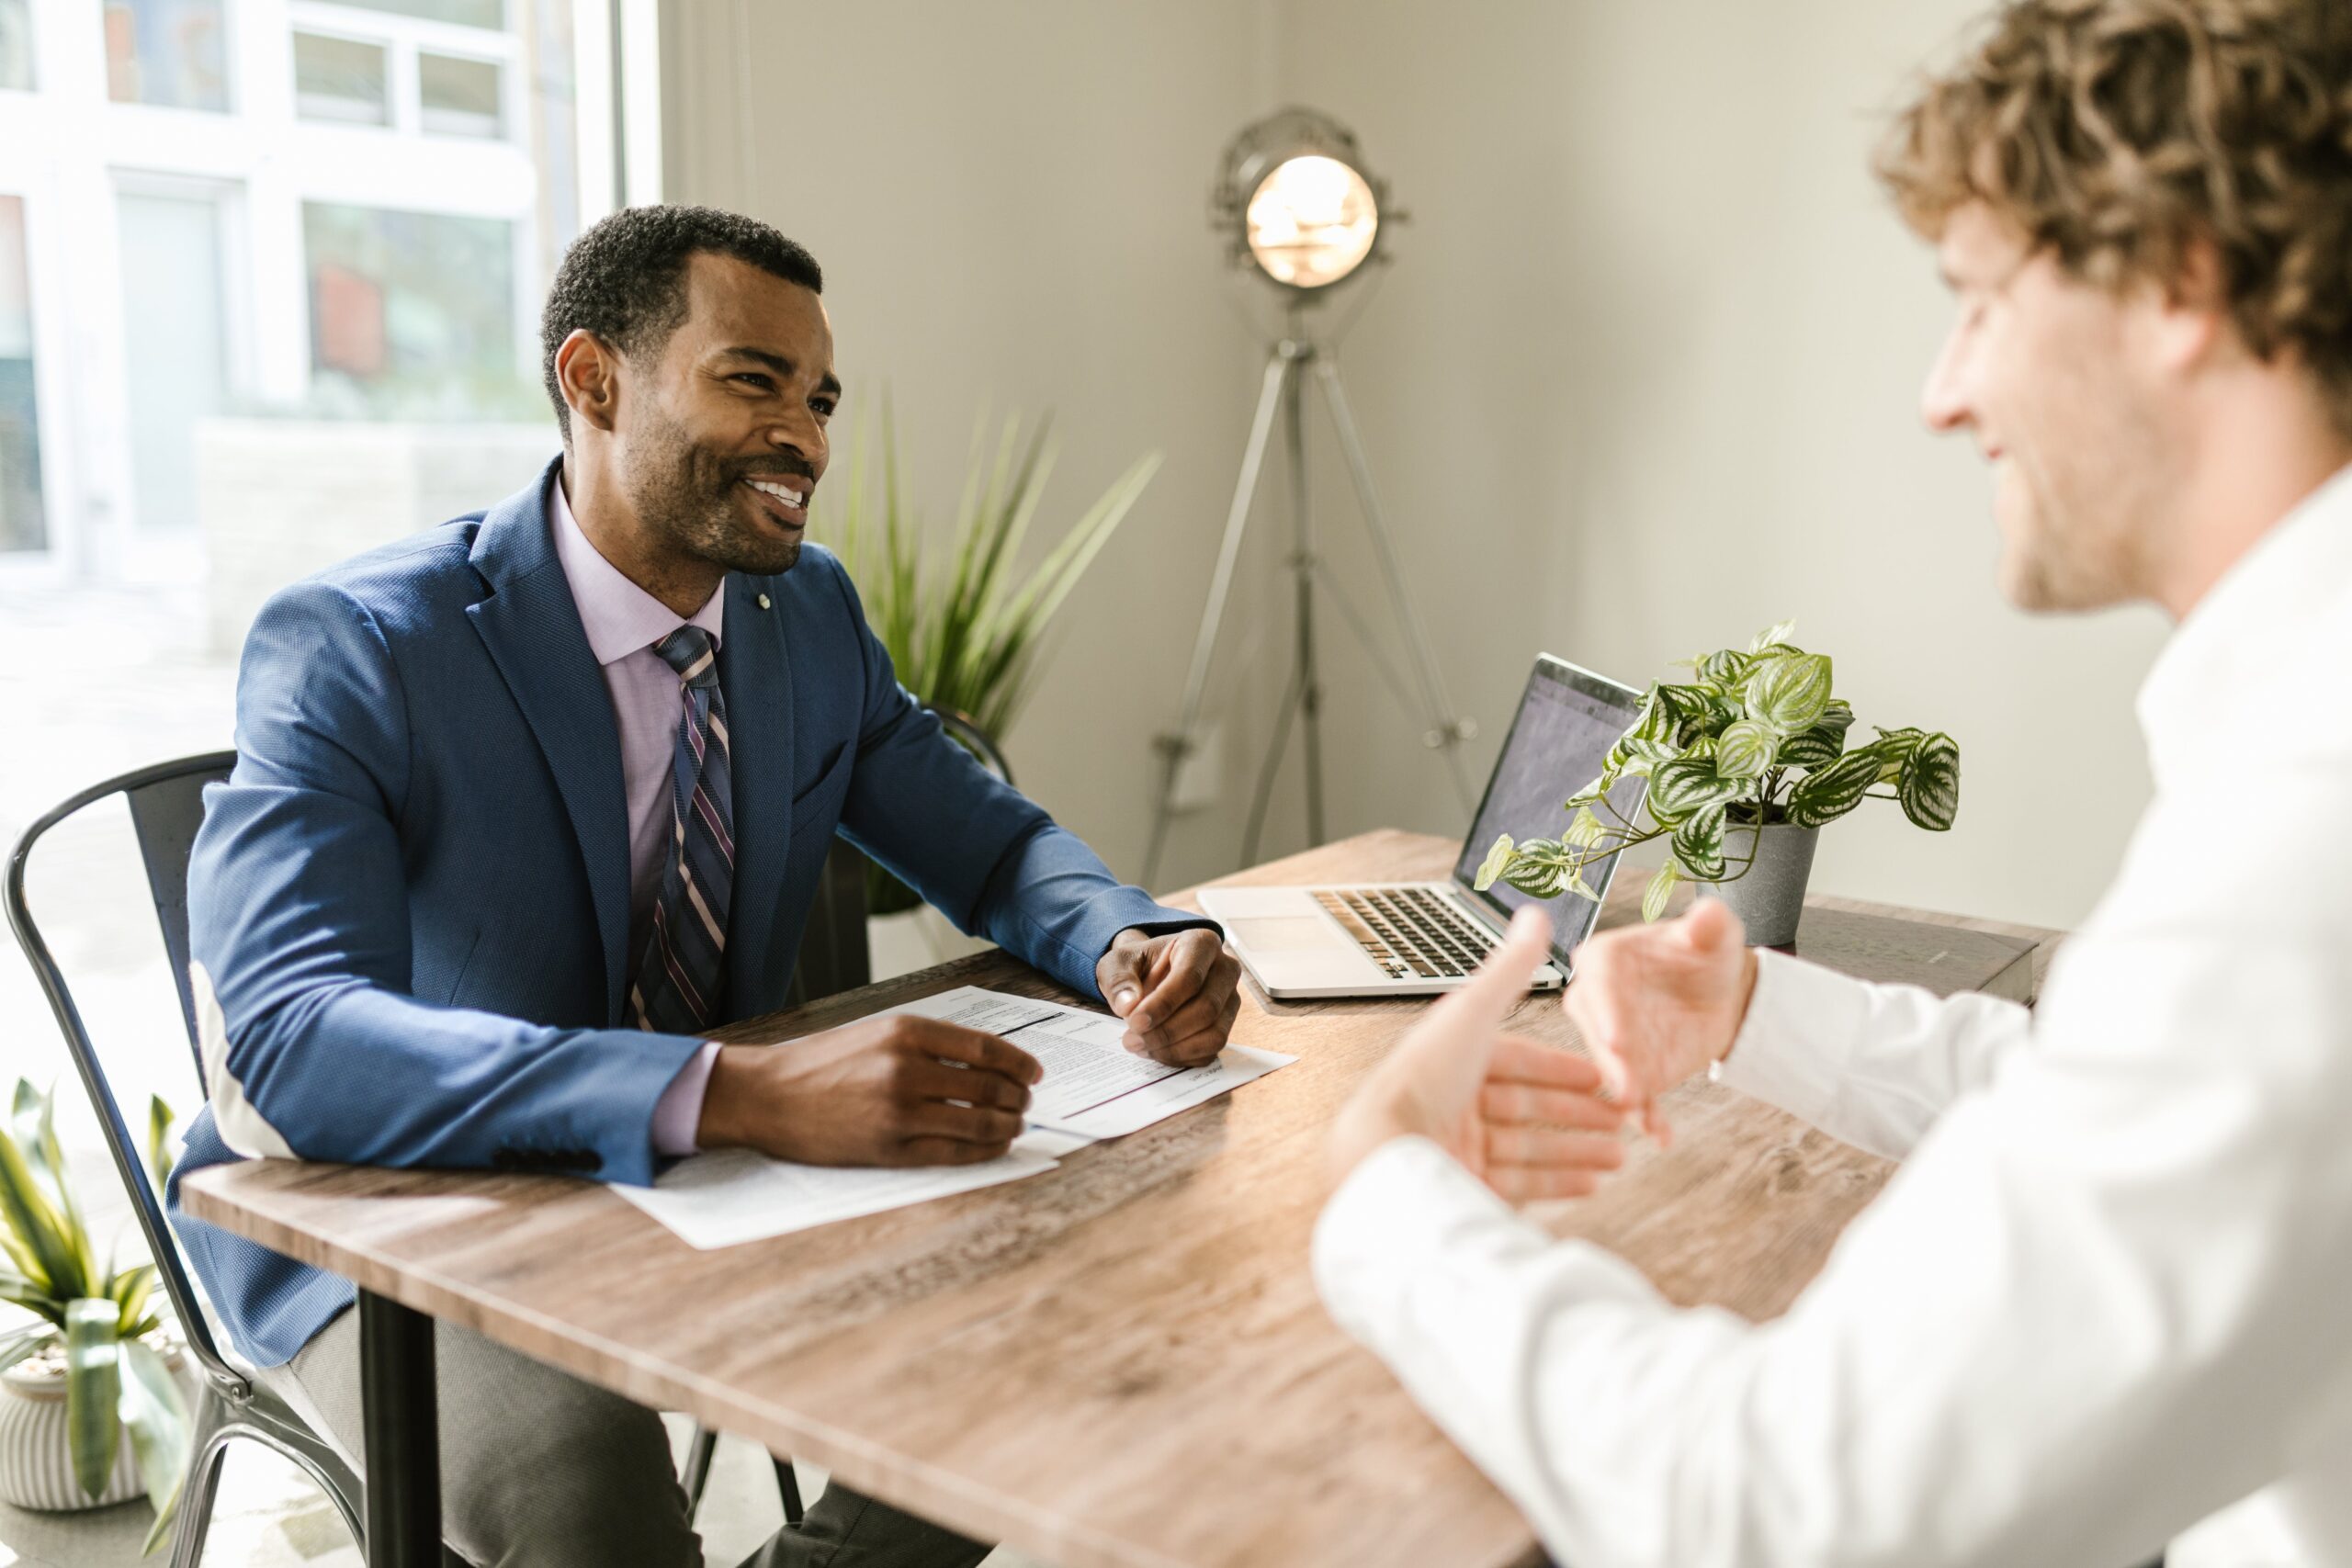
x=1408 y=930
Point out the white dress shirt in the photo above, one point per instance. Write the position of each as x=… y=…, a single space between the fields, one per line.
x=2110 y=1291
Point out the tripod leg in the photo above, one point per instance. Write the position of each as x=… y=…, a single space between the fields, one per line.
x=1281 y=368
x=1271 y=767
x=1438 y=710
x=1310 y=679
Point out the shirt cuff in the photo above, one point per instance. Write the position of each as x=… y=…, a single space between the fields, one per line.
x=1790 y=1049
x=677 y=1115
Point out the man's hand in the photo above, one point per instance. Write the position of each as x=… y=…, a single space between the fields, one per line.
x=1657 y=1003
x=1180 y=993
x=892 y=1091
x=1521 y=1116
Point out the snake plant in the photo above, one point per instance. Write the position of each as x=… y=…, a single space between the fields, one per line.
x=1753 y=738
x=96 y=1315
x=964 y=622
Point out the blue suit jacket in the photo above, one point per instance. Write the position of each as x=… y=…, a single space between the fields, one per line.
x=411 y=899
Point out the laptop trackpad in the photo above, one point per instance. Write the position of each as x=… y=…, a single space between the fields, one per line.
x=1289 y=933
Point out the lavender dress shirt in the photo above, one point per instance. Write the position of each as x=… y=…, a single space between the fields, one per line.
x=623 y=621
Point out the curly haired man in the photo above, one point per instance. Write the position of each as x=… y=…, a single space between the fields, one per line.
x=2105 y=1298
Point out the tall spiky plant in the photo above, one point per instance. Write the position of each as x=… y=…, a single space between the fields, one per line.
x=113 y=1382
x=962 y=620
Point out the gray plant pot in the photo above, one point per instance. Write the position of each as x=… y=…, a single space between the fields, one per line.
x=1768 y=897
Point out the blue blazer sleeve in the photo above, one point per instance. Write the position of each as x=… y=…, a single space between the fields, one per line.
x=979 y=851
x=299 y=920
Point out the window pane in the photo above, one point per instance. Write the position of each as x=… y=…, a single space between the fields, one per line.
x=21 y=525
x=340 y=79
x=172 y=52
x=17 y=45
x=412 y=313
x=459 y=97
x=465 y=13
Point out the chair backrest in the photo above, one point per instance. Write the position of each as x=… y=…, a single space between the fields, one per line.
x=166 y=804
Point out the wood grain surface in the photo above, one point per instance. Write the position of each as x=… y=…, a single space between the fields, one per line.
x=1122 y=1361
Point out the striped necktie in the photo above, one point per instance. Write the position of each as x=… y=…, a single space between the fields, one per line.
x=676 y=988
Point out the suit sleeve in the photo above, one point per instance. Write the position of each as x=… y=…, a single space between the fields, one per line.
x=299 y=931
x=978 y=849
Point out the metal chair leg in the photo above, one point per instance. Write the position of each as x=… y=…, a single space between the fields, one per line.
x=697 y=1471
x=787 y=1486
x=209 y=1440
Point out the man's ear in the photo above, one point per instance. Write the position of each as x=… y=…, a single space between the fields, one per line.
x=2192 y=319
x=589 y=373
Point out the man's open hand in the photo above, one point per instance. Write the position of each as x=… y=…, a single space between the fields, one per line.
x=1180 y=993
x=1521 y=1116
x=1657 y=1003
x=890 y=1091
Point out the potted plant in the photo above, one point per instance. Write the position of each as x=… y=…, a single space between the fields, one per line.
x=962 y=621
x=90 y=1411
x=1746 y=762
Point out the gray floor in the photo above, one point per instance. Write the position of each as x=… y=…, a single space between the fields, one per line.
x=271 y=1516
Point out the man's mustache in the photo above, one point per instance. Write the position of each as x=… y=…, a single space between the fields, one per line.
x=778 y=468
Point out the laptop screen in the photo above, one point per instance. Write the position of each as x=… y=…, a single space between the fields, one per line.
x=1566 y=724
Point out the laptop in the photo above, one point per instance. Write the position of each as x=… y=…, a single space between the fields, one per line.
x=1418 y=938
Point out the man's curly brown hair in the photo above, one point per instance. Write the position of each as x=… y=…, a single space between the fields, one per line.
x=2118 y=134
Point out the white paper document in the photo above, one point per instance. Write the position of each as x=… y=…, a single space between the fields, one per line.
x=1093 y=1087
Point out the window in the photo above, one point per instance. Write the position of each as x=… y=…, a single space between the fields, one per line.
x=172 y=53
x=412 y=313
x=459 y=97
x=340 y=79
x=15 y=46
x=22 y=526
x=491 y=13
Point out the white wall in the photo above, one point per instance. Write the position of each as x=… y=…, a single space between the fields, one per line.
x=1008 y=203
x=1643 y=378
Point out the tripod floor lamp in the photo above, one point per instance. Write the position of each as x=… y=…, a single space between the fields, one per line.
x=1301 y=211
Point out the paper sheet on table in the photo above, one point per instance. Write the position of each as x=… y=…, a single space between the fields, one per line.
x=1094 y=1087
x=734 y=1195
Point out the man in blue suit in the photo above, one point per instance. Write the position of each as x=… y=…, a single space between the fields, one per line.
x=528 y=804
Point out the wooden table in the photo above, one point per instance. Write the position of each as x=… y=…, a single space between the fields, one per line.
x=1122 y=1361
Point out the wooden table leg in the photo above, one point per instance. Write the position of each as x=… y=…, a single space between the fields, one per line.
x=403 y=1440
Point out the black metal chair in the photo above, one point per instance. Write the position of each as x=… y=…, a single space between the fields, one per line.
x=166 y=804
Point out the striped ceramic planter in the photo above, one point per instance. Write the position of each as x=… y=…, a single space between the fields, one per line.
x=37 y=1463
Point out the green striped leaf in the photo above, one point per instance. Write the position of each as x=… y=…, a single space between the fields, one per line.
x=1821 y=745
x=1776 y=636
x=1928 y=785
x=93 y=1389
x=1698 y=843
x=1688 y=785
x=1661 y=889
x=1584 y=830
x=153 y=1413
x=1725 y=671
x=1894 y=747
x=1791 y=693
x=1826 y=793
x=42 y=1250
x=159 y=1142
x=1498 y=858
x=1745 y=749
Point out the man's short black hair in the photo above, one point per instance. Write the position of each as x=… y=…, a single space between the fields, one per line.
x=624 y=280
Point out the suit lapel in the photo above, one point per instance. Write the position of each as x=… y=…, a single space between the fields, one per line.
x=755 y=674
x=531 y=626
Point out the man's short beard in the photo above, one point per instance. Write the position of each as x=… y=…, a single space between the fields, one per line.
x=688 y=494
